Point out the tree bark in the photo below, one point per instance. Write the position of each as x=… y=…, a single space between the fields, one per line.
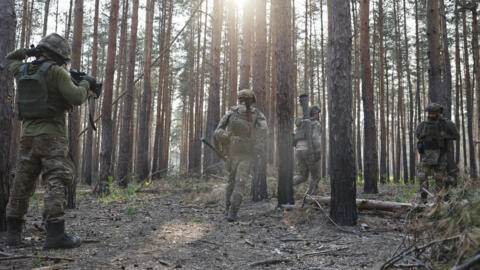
x=247 y=35
x=142 y=167
x=74 y=116
x=107 y=128
x=259 y=182
x=476 y=70
x=283 y=57
x=87 y=172
x=381 y=84
x=342 y=161
x=45 y=17
x=7 y=44
x=233 y=53
x=370 y=130
x=433 y=34
x=213 y=114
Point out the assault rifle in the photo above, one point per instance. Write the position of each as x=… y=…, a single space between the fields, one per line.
x=78 y=76
x=213 y=148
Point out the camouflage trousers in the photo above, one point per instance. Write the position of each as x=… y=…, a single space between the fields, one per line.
x=438 y=172
x=307 y=165
x=239 y=173
x=46 y=155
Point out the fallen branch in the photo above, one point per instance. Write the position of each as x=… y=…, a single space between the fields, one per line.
x=52 y=267
x=472 y=262
x=293 y=240
x=11 y=258
x=363 y=204
x=270 y=262
x=321 y=252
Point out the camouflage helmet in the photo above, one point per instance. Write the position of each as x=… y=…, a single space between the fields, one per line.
x=434 y=107
x=246 y=93
x=56 y=44
x=314 y=109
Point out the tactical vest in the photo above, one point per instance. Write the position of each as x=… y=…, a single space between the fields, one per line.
x=432 y=139
x=34 y=101
x=242 y=131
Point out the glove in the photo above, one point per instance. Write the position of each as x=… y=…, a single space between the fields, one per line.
x=91 y=81
x=222 y=136
x=31 y=52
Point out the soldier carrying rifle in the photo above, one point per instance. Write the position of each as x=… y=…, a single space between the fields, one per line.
x=307 y=146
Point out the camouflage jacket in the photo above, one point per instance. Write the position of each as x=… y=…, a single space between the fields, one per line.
x=302 y=145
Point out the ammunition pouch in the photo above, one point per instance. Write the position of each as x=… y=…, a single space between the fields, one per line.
x=420 y=147
x=431 y=145
x=240 y=127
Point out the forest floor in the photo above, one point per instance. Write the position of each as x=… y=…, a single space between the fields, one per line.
x=179 y=223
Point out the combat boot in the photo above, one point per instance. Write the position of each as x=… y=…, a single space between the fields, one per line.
x=232 y=214
x=14 y=231
x=57 y=238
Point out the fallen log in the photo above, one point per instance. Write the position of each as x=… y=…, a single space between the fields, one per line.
x=364 y=204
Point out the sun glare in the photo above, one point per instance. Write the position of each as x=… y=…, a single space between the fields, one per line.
x=240 y=3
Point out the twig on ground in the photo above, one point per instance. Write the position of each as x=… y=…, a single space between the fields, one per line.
x=218 y=177
x=292 y=240
x=52 y=267
x=88 y=241
x=270 y=262
x=323 y=252
x=328 y=216
x=18 y=257
x=472 y=262
x=5 y=254
x=405 y=231
x=209 y=242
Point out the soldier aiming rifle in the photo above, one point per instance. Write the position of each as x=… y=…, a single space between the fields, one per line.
x=45 y=93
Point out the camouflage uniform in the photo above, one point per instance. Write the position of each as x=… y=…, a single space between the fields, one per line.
x=307 y=162
x=44 y=145
x=433 y=137
x=240 y=139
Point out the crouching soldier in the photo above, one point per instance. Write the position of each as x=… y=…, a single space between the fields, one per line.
x=433 y=138
x=241 y=134
x=45 y=93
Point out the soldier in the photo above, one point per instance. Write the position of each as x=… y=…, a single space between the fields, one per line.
x=307 y=159
x=433 y=136
x=45 y=93
x=241 y=134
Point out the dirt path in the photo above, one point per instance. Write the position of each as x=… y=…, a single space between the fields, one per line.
x=164 y=230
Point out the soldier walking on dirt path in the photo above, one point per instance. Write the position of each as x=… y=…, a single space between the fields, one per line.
x=45 y=93
x=308 y=156
x=433 y=137
x=241 y=135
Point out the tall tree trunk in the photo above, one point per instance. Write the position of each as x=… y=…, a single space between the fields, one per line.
x=410 y=99
x=74 y=116
x=87 y=172
x=381 y=84
x=259 y=183
x=45 y=17
x=458 y=83
x=213 y=114
x=370 y=130
x=247 y=35
x=476 y=70
x=7 y=44
x=324 y=97
x=468 y=98
x=283 y=57
x=306 y=59
x=107 y=128
x=343 y=209
x=124 y=163
x=433 y=33
x=69 y=20
x=233 y=53
x=142 y=167
x=24 y=24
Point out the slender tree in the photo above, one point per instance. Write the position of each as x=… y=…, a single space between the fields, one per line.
x=370 y=130
x=142 y=168
x=74 y=116
x=232 y=53
x=342 y=167
x=7 y=44
x=283 y=57
x=247 y=35
x=45 y=17
x=213 y=114
x=259 y=183
x=381 y=86
x=107 y=128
